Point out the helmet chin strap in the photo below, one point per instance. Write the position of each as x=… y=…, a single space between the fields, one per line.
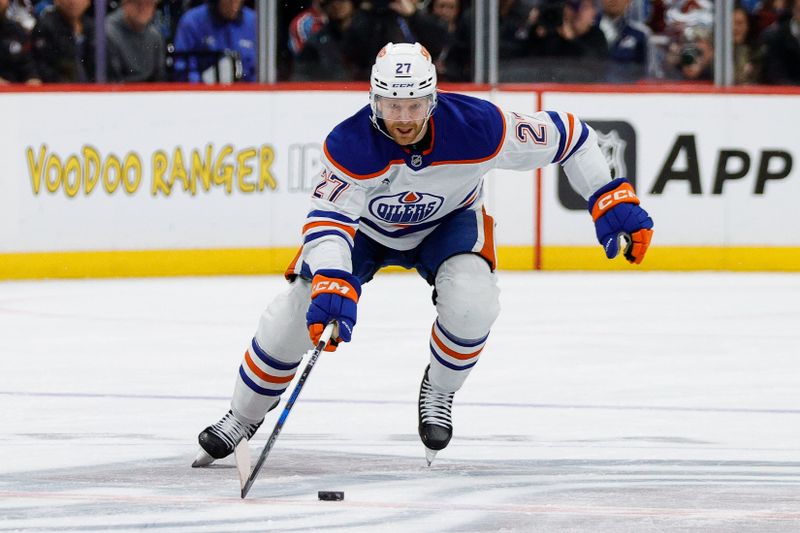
x=379 y=122
x=377 y=125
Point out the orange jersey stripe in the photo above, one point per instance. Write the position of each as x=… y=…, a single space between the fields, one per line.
x=488 y=252
x=347 y=229
x=451 y=353
x=571 y=120
x=263 y=375
x=289 y=272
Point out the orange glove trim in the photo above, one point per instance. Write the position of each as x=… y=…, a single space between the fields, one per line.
x=321 y=284
x=639 y=245
x=315 y=332
x=624 y=194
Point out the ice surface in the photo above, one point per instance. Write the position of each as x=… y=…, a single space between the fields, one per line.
x=603 y=402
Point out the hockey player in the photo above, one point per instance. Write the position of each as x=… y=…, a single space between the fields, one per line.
x=402 y=184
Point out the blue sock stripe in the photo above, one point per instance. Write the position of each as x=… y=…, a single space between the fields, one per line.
x=451 y=365
x=466 y=343
x=271 y=361
x=260 y=390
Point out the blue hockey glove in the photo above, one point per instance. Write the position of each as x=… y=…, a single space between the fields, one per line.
x=334 y=298
x=616 y=213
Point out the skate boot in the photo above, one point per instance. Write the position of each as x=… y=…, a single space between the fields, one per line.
x=219 y=440
x=435 y=420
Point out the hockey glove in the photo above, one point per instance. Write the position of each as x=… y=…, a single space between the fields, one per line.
x=334 y=295
x=616 y=213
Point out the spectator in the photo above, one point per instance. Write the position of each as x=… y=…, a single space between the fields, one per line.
x=767 y=13
x=692 y=56
x=449 y=63
x=16 y=61
x=63 y=43
x=323 y=56
x=396 y=21
x=21 y=12
x=304 y=25
x=554 y=32
x=782 y=49
x=168 y=13
x=208 y=32
x=581 y=16
x=136 y=50
x=745 y=60
x=682 y=14
x=627 y=42
x=448 y=12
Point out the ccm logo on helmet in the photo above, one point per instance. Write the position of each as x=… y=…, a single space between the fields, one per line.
x=616 y=197
x=402 y=85
x=330 y=286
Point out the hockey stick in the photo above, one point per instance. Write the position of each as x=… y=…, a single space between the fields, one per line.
x=323 y=341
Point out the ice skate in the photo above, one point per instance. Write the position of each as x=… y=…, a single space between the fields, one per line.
x=220 y=439
x=435 y=420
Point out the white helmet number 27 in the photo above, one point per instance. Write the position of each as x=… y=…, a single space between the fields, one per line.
x=403 y=83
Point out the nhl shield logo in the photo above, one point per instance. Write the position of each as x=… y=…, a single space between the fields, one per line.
x=617 y=140
x=416 y=160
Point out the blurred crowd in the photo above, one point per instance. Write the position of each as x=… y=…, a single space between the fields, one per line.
x=616 y=41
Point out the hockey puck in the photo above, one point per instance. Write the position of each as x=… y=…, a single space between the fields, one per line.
x=330 y=495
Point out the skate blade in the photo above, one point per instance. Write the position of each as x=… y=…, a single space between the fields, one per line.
x=242 y=455
x=202 y=459
x=430 y=455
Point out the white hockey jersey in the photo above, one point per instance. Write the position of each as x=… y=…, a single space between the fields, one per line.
x=397 y=197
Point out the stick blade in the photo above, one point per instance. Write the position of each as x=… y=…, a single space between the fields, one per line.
x=242 y=456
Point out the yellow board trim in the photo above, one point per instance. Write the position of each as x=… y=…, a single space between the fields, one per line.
x=677 y=258
x=144 y=263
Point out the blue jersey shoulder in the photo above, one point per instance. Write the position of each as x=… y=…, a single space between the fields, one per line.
x=467 y=129
x=358 y=149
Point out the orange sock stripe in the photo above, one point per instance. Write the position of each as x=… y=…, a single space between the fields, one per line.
x=263 y=375
x=451 y=353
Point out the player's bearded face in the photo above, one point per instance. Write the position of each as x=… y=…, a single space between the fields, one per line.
x=405 y=118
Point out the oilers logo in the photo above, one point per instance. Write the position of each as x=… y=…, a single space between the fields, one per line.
x=407 y=207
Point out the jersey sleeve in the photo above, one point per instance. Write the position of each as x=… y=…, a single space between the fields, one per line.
x=332 y=221
x=537 y=140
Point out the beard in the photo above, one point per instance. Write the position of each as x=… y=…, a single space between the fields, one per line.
x=405 y=133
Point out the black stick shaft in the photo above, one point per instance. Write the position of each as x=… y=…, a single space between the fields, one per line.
x=323 y=341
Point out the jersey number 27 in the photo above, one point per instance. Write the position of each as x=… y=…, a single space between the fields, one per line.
x=330 y=188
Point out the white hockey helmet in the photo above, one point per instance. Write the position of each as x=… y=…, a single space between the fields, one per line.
x=403 y=71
